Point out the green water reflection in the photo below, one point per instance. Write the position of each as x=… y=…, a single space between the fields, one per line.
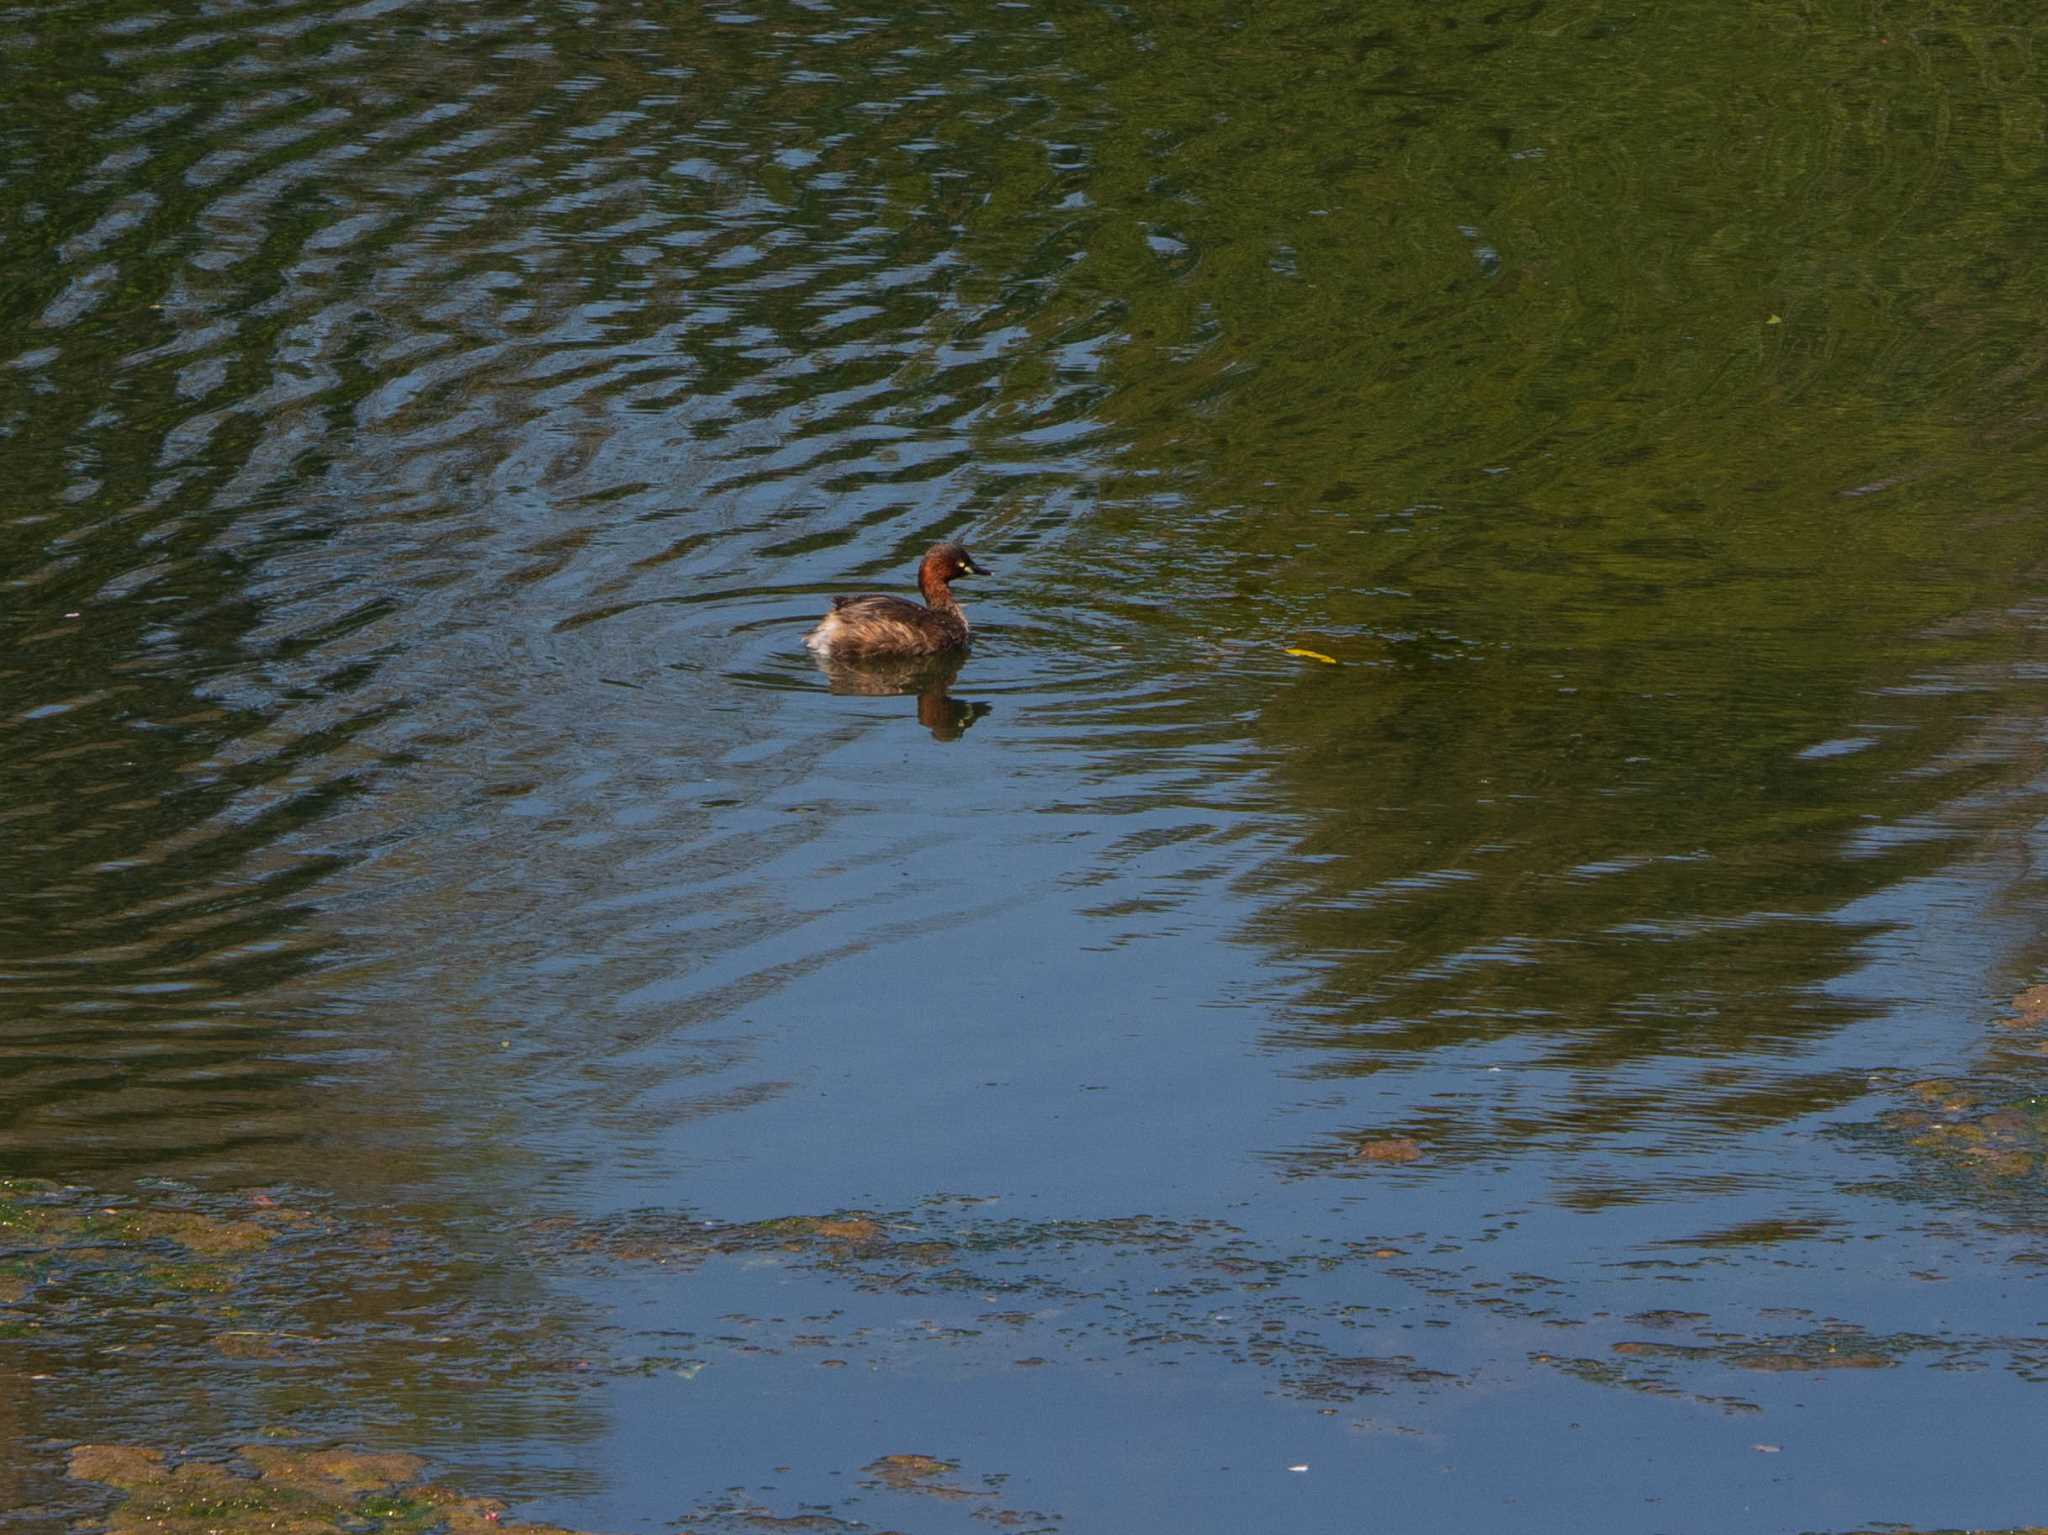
x=1642 y=408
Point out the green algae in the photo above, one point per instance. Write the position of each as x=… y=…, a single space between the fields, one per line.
x=48 y=1231
x=313 y=1323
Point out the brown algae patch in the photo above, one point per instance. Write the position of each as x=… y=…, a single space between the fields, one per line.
x=1345 y=1379
x=889 y=1249
x=756 y=1517
x=247 y=1344
x=2029 y=1009
x=1991 y=1140
x=331 y=1474
x=918 y=1473
x=1801 y=1361
x=1765 y=1232
x=862 y=1229
x=1646 y=1365
x=205 y=1235
x=1992 y=1129
x=848 y=1236
x=1029 y=1293
x=906 y=1473
x=273 y=1490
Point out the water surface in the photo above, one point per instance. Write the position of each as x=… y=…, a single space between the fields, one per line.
x=1547 y=1054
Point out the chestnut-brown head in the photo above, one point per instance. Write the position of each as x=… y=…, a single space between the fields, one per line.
x=942 y=565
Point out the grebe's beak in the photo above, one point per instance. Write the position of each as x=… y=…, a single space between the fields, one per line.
x=969 y=568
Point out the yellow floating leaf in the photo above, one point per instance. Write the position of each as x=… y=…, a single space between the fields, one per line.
x=1312 y=655
x=1774 y=320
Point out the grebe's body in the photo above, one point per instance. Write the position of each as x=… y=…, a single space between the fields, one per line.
x=859 y=627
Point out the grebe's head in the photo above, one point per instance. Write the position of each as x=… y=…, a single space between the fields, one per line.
x=944 y=563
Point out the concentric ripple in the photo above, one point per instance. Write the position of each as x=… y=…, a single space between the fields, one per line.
x=426 y=428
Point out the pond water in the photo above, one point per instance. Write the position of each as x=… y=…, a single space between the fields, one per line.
x=1456 y=956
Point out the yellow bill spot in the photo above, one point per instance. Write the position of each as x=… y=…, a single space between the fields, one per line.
x=1311 y=655
x=1774 y=320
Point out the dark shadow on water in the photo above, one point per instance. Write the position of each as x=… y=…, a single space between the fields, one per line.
x=927 y=678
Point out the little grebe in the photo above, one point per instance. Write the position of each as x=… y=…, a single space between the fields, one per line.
x=890 y=626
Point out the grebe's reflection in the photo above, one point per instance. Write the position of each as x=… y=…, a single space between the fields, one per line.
x=928 y=677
